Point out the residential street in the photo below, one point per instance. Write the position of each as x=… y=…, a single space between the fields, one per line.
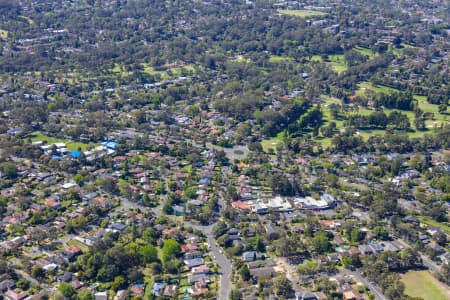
x=378 y=294
x=427 y=262
x=221 y=259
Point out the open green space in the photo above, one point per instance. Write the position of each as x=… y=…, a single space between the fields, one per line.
x=302 y=13
x=326 y=110
x=30 y=21
x=166 y=74
x=316 y=58
x=169 y=73
x=280 y=59
x=337 y=63
x=119 y=69
x=3 y=34
x=422 y=284
x=71 y=145
x=367 y=86
x=272 y=142
x=79 y=244
x=426 y=107
x=364 y=51
x=430 y=222
x=241 y=59
x=399 y=51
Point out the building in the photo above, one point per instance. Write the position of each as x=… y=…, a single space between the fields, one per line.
x=101 y=296
x=249 y=256
x=305 y=295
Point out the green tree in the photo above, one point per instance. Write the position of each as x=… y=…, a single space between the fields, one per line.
x=381 y=232
x=321 y=243
x=326 y=286
x=9 y=169
x=37 y=272
x=170 y=250
x=79 y=179
x=244 y=272
x=118 y=283
x=442 y=108
x=149 y=253
x=235 y=295
x=150 y=235
x=356 y=235
x=66 y=289
x=85 y=294
x=282 y=286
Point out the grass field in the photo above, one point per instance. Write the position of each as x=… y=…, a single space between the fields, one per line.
x=169 y=73
x=242 y=59
x=364 y=51
x=437 y=119
x=367 y=86
x=338 y=63
x=30 y=22
x=272 y=142
x=71 y=145
x=422 y=284
x=316 y=58
x=120 y=69
x=163 y=75
x=302 y=13
x=3 y=34
x=280 y=59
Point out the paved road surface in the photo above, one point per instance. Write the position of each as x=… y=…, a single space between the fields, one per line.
x=375 y=290
x=221 y=259
x=427 y=262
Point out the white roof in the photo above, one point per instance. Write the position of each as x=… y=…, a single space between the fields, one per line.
x=60 y=145
x=68 y=185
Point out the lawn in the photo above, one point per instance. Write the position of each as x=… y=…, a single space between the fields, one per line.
x=367 y=86
x=163 y=75
x=119 y=69
x=422 y=284
x=302 y=13
x=3 y=34
x=326 y=110
x=79 y=244
x=316 y=58
x=71 y=145
x=30 y=21
x=438 y=118
x=337 y=63
x=430 y=222
x=280 y=59
x=169 y=73
x=272 y=142
x=364 y=51
x=242 y=59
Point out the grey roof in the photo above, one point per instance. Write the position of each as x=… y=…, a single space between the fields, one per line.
x=305 y=295
x=267 y=271
x=194 y=262
x=118 y=226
